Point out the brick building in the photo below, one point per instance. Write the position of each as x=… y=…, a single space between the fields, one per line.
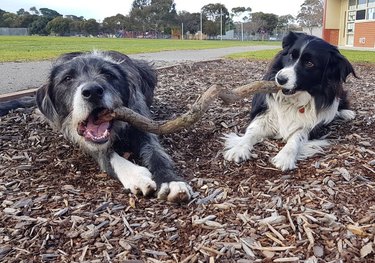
x=349 y=23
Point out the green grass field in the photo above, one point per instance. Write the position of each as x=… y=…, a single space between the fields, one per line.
x=31 y=48
x=354 y=56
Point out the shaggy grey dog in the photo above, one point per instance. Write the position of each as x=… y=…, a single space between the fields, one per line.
x=80 y=87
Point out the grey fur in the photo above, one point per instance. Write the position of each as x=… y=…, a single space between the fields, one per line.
x=113 y=80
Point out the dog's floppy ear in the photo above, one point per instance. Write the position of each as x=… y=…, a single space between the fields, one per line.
x=43 y=98
x=45 y=104
x=67 y=56
x=339 y=67
x=277 y=62
x=290 y=39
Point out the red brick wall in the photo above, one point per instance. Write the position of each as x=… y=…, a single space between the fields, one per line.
x=364 y=31
x=331 y=36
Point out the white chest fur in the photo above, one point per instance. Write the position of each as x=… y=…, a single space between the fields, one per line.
x=287 y=114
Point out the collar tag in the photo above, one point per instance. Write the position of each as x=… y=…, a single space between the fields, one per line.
x=301 y=110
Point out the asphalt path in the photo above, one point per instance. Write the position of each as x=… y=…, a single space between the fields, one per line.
x=17 y=76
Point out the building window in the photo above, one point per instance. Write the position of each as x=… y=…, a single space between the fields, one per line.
x=350 y=28
x=371 y=3
x=371 y=14
x=362 y=4
x=350 y=40
x=352 y=4
x=360 y=14
x=351 y=16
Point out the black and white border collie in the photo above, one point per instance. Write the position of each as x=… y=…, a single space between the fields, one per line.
x=310 y=72
x=80 y=86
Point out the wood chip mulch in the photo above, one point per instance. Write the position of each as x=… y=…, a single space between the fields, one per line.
x=56 y=205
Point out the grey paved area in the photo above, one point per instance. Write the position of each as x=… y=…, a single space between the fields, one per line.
x=16 y=76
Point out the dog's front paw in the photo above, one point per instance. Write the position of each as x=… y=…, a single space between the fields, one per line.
x=175 y=191
x=140 y=182
x=284 y=161
x=346 y=115
x=237 y=149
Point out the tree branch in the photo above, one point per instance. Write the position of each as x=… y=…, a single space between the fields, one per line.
x=196 y=111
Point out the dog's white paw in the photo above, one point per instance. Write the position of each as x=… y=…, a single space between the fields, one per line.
x=175 y=191
x=237 y=149
x=284 y=161
x=139 y=181
x=346 y=115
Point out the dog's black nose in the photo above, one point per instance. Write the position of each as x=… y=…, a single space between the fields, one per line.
x=93 y=93
x=281 y=80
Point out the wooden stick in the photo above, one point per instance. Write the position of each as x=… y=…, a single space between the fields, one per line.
x=194 y=114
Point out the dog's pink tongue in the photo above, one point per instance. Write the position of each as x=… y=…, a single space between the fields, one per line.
x=97 y=130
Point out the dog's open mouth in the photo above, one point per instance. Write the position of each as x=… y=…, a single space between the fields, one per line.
x=288 y=91
x=94 y=128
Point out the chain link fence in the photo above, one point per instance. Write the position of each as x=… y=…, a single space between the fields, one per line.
x=7 y=31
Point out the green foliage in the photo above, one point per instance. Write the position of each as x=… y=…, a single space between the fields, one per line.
x=211 y=28
x=91 y=27
x=38 y=27
x=213 y=14
x=154 y=15
x=49 y=13
x=10 y=20
x=214 y=11
x=285 y=21
x=311 y=14
x=112 y=24
x=191 y=21
x=34 y=11
x=264 y=22
x=58 y=26
x=244 y=12
x=150 y=17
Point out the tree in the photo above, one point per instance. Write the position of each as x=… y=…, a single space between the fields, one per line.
x=285 y=22
x=76 y=27
x=34 y=11
x=153 y=15
x=75 y=18
x=264 y=22
x=211 y=28
x=91 y=27
x=214 y=13
x=241 y=12
x=191 y=21
x=140 y=4
x=38 y=26
x=113 y=24
x=49 y=13
x=11 y=20
x=311 y=14
x=22 y=12
x=163 y=14
x=25 y=18
x=2 y=22
x=59 y=26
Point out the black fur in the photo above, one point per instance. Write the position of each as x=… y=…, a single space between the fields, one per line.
x=323 y=81
x=127 y=82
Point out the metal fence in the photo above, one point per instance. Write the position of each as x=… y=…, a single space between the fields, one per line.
x=7 y=31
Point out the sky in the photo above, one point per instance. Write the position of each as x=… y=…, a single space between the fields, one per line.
x=99 y=9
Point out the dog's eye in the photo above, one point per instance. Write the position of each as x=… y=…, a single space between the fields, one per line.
x=309 y=64
x=109 y=75
x=68 y=78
